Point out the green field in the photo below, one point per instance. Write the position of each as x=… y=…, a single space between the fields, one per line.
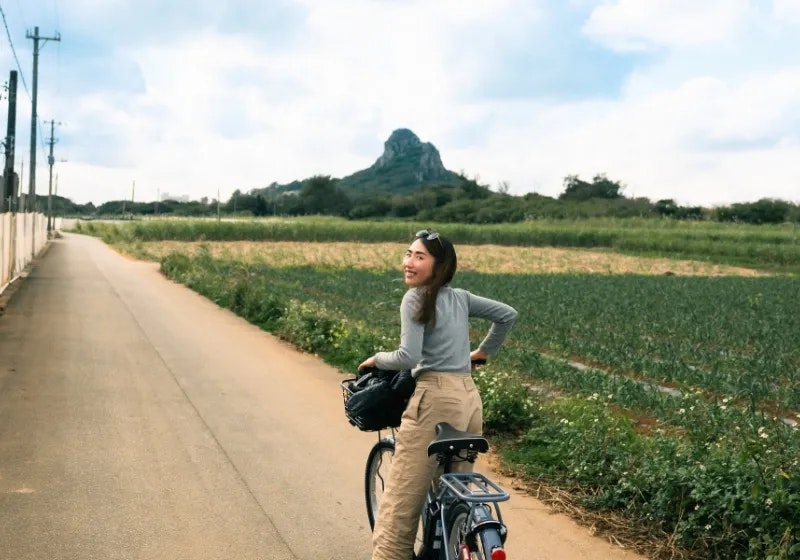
x=774 y=247
x=671 y=401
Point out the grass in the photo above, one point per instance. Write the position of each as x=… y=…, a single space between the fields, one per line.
x=773 y=248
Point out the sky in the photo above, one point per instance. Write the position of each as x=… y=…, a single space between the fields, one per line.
x=696 y=101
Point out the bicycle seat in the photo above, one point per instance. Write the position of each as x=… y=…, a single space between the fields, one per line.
x=450 y=441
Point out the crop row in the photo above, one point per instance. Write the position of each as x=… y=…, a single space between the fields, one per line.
x=730 y=336
x=726 y=335
x=775 y=247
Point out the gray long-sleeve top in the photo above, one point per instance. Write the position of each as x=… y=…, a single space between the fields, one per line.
x=445 y=345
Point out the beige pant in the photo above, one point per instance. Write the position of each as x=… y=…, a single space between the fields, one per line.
x=439 y=397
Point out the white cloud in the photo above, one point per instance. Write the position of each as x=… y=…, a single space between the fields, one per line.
x=787 y=11
x=636 y=25
x=704 y=142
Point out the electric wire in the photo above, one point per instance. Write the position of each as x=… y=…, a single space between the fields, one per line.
x=22 y=74
x=14 y=51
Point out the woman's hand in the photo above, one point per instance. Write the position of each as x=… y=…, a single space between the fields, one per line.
x=369 y=362
x=478 y=355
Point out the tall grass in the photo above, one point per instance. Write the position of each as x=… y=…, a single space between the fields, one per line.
x=770 y=247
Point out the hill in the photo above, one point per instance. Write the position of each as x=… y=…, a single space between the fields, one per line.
x=405 y=165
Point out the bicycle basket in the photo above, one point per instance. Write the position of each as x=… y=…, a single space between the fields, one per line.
x=372 y=400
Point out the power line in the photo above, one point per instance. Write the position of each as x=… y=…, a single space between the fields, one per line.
x=36 y=123
x=19 y=67
x=13 y=50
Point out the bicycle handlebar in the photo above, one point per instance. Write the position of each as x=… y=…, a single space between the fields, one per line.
x=376 y=369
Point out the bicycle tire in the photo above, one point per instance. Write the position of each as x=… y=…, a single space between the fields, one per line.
x=454 y=523
x=481 y=544
x=375 y=476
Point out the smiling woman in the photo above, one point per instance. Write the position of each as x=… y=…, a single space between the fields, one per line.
x=420 y=266
x=435 y=347
x=417 y=265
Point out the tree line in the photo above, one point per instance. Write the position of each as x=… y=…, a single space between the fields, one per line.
x=466 y=201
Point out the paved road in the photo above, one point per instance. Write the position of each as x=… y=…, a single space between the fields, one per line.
x=139 y=420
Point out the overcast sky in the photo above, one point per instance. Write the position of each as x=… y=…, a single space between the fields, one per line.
x=698 y=101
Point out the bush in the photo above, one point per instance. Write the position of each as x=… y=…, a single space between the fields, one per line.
x=254 y=302
x=508 y=404
x=313 y=328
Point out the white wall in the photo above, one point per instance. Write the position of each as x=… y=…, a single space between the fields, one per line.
x=22 y=237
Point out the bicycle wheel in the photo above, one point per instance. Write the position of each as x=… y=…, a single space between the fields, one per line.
x=486 y=545
x=379 y=462
x=455 y=527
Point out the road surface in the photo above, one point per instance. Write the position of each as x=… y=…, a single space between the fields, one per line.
x=138 y=420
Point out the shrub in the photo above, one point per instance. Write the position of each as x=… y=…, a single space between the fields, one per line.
x=508 y=403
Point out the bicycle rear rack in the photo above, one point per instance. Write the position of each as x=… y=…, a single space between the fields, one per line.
x=473 y=487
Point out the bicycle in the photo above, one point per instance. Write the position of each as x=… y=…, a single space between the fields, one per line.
x=461 y=518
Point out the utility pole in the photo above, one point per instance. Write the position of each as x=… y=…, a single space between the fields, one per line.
x=9 y=185
x=133 y=193
x=50 y=161
x=31 y=206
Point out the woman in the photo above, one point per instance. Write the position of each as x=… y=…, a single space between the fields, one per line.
x=435 y=346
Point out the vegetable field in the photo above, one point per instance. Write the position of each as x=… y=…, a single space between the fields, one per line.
x=669 y=400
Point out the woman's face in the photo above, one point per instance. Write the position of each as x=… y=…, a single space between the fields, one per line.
x=417 y=265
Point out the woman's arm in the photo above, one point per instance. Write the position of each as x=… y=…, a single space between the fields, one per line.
x=502 y=317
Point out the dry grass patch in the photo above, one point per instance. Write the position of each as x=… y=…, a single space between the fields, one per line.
x=482 y=258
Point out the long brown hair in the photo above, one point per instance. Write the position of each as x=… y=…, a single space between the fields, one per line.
x=444 y=267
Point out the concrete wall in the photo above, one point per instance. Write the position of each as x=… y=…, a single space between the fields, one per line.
x=22 y=237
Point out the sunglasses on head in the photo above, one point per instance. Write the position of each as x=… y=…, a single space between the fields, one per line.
x=429 y=235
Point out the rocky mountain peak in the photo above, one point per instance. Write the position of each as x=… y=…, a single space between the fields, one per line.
x=405 y=148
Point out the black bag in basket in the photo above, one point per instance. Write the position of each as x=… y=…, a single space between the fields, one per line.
x=378 y=398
